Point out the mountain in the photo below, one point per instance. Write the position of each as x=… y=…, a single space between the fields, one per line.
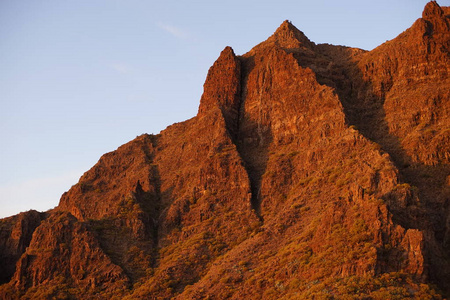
x=311 y=171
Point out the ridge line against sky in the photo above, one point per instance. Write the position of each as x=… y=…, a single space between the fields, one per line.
x=80 y=78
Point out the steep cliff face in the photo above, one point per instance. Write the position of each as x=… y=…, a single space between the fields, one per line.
x=310 y=171
x=412 y=99
x=412 y=82
x=64 y=258
x=15 y=236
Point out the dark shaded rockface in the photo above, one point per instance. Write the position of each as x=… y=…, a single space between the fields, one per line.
x=310 y=171
x=15 y=236
x=397 y=95
x=63 y=248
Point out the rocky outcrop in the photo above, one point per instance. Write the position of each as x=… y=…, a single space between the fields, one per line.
x=411 y=81
x=310 y=171
x=15 y=236
x=222 y=89
x=65 y=259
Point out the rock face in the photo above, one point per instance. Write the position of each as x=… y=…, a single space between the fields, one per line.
x=16 y=233
x=310 y=171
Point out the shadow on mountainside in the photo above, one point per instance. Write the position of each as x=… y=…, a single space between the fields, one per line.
x=252 y=141
x=427 y=204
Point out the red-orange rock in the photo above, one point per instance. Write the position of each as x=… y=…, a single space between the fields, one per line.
x=310 y=171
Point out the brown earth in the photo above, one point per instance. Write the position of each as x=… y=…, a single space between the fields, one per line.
x=310 y=172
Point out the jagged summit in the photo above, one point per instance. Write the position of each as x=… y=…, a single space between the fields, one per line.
x=222 y=88
x=432 y=9
x=437 y=19
x=310 y=172
x=287 y=37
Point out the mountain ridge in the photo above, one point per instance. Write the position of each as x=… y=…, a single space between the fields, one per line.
x=307 y=172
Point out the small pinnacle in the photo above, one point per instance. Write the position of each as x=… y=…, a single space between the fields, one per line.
x=227 y=50
x=289 y=36
x=432 y=9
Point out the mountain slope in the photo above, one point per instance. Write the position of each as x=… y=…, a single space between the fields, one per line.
x=310 y=171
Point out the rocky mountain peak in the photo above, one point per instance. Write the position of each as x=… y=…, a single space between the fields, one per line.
x=310 y=172
x=222 y=88
x=437 y=19
x=288 y=36
x=431 y=10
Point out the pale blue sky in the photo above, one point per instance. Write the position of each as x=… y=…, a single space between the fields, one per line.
x=80 y=78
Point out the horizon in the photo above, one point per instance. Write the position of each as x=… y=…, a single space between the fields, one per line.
x=81 y=79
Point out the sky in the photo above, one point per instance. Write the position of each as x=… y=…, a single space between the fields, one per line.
x=79 y=78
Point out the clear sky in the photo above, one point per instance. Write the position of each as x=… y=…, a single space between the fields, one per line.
x=79 y=78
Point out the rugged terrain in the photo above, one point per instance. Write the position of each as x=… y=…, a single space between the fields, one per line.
x=310 y=172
